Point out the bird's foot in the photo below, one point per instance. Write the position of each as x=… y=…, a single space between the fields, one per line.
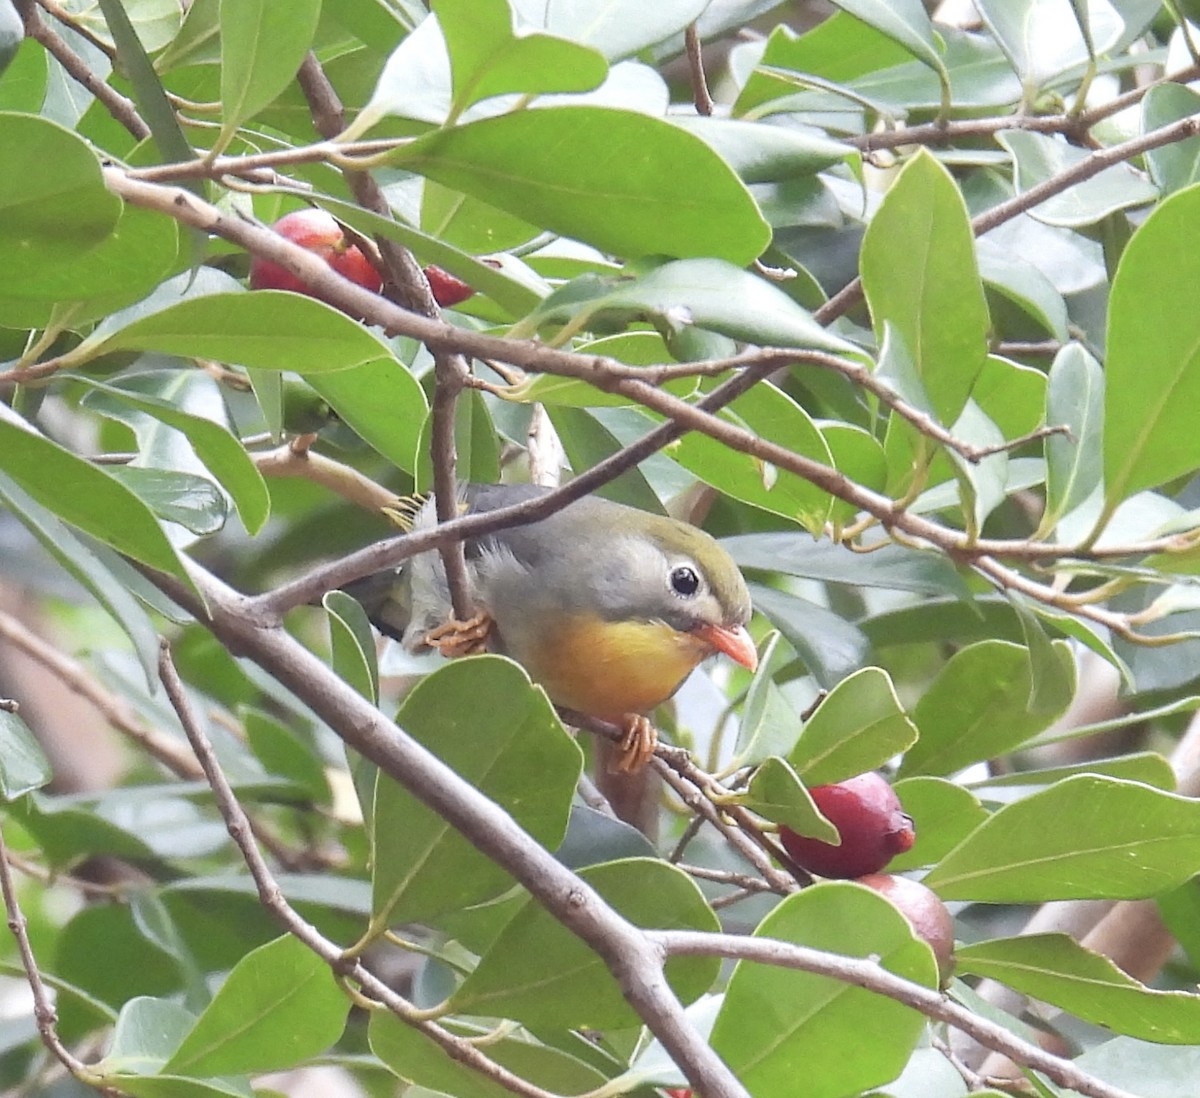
x=636 y=747
x=461 y=638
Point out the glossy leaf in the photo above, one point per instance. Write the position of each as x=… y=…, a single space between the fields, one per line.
x=1037 y=157
x=769 y=413
x=419 y=1060
x=83 y=495
x=352 y=644
x=774 y=1018
x=706 y=293
x=777 y=794
x=422 y=865
x=1084 y=838
x=1043 y=40
x=1056 y=969
x=88 y=569
x=763 y=154
x=618 y=28
x=279 y=1006
x=1152 y=372
x=976 y=708
x=23 y=764
x=920 y=276
x=1075 y=400
x=621 y=181
x=268 y=329
x=858 y=727
x=830 y=647
x=147 y=1032
x=1177 y=165
x=382 y=402
x=903 y=21
x=894 y=567
x=943 y=814
x=541 y=974
x=262 y=46
x=179 y=401
x=487 y=58
x=54 y=206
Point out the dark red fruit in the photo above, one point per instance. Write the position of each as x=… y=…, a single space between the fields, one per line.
x=868 y=816
x=448 y=290
x=929 y=917
x=319 y=233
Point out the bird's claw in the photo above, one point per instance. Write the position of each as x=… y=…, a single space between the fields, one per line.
x=636 y=747
x=461 y=638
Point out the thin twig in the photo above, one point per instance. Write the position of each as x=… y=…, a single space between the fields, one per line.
x=700 y=93
x=272 y=898
x=871 y=976
x=121 y=108
x=44 y=1013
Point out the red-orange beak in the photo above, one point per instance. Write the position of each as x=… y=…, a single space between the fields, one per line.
x=736 y=643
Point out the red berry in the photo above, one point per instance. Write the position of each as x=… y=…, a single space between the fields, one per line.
x=317 y=231
x=922 y=907
x=677 y=1092
x=448 y=290
x=868 y=816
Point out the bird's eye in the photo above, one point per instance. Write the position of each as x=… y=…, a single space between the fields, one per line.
x=684 y=581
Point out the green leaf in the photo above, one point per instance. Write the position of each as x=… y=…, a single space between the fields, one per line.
x=920 y=276
x=1038 y=157
x=475 y=440
x=1045 y=40
x=704 y=293
x=1177 y=165
x=1146 y=767
x=54 y=206
x=777 y=794
x=618 y=28
x=1056 y=969
x=943 y=814
x=976 y=708
x=1075 y=400
x=89 y=570
x=284 y=752
x=268 y=329
x=1017 y=279
x=382 y=403
x=419 y=1060
x=830 y=646
x=23 y=764
x=85 y=496
x=858 y=727
x=903 y=21
x=147 y=1032
x=541 y=974
x=164 y=397
x=769 y=725
x=586 y=441
x=891 y=567
x=279 y=1006
x=1084 y=838
x=774 y=1019
x=1152 y=371
x=763 y=154
x=192 y=502
x=352 y=644
x=262 y=46
x=12 y=30
x=769 y=413
x=621 y=181
x=422 y=866
x=487 y=58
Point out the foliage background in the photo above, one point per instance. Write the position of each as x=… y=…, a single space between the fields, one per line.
x=906 y=317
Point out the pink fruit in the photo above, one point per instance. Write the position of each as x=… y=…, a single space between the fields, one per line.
x=922 y=907
x=868 y=816
x=317 y=231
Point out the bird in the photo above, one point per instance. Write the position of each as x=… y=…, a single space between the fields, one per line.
x=609 y=608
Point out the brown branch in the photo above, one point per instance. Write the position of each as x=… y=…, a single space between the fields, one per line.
x=626 y=951
x=871 y=976
x=116 y=710
x=701 y=96
x=347 y=482
x=121 y=108
x=272 y=898
x=44 y=1013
